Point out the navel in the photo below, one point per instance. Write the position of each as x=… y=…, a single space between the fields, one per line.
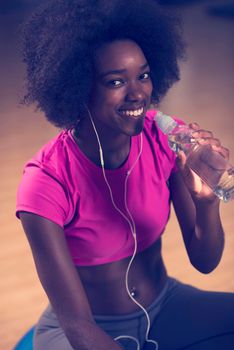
x=134 y=293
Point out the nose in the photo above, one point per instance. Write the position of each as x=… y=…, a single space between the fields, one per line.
x=134 y=92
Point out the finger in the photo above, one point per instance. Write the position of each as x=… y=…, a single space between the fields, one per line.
x=221 y=150
x=181 y=159
x=194 y=126
x=200 y=133
x=216 y=146
x=209 y=141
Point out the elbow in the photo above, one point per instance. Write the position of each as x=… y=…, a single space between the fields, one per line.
x=205 y=261
x=205 y=266
x=205 y=270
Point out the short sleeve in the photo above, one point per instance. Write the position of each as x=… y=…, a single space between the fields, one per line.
x=42 y=193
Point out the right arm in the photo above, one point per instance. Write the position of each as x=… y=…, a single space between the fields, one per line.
x=62 y=284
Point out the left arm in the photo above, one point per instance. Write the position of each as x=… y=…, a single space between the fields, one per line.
x=197 y=210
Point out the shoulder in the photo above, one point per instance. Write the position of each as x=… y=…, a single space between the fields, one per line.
x=45 y=187
x=54 y=155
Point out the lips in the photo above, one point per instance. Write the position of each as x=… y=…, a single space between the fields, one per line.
x=135 y=113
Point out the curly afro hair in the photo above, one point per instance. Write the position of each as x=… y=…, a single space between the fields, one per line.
x=60 y=38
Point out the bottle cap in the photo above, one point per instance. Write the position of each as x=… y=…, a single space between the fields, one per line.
x=165 y=122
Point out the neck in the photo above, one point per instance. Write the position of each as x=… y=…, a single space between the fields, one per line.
x=115 y=147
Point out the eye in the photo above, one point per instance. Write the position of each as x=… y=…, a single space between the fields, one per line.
x=115 y=82
x=145 y=76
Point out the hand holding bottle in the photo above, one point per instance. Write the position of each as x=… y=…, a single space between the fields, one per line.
x=210 y=147
x=201 y=153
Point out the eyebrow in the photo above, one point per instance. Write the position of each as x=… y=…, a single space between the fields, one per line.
x=121 y=71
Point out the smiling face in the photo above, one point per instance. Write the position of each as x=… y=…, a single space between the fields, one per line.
x=122 y=88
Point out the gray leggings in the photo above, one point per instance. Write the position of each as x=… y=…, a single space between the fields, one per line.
x=182 y=317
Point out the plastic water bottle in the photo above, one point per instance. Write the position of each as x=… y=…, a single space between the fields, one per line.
x=208 y=164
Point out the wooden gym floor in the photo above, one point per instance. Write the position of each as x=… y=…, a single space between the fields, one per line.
x=204 y=94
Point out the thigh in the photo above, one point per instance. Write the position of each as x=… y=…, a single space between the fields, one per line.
x=194 y=319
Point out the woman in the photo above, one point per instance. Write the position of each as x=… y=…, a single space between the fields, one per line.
x=95 y=200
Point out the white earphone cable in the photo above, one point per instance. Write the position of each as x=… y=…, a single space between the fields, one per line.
x=133 y=231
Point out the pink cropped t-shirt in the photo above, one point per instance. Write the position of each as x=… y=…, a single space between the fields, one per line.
x=61 y=184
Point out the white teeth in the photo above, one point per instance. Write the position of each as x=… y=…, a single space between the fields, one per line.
x=134 y=113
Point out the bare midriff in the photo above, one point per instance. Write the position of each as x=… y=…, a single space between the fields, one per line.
x=105 y=284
